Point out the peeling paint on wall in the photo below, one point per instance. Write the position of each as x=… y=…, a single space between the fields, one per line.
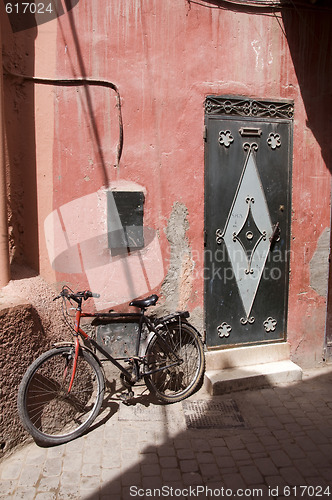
x=319 y=264
x=177 y=286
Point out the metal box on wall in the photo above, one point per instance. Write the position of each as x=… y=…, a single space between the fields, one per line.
x=125 y=219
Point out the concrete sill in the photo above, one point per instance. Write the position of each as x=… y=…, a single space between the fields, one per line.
x=219 y=382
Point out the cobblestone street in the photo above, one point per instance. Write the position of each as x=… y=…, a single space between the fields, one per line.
x=268 y=443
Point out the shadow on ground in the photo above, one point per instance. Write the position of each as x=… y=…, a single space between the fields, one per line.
x=275 y=444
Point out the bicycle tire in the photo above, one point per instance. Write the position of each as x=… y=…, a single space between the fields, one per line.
x=49 y=413
x=179 y=381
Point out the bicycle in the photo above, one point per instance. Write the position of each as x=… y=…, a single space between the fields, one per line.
x=62 y=391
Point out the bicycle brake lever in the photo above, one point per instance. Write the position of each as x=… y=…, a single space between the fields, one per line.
x=87 y=294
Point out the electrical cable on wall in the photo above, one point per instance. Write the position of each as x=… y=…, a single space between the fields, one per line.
x=72 y=82
x=265 y=4
x=256 y=3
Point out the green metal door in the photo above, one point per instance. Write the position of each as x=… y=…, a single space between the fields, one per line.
x=247 y=220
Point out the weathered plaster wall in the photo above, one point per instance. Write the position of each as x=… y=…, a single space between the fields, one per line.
x=20 y=145
x=22 y=337
x=30 y=324
x=165 y=57
x=178 y=283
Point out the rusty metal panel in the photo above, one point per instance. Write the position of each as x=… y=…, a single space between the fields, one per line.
x=118 y=339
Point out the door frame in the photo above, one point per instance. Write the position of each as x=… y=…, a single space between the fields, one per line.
x=224 y=106
x=327 y=355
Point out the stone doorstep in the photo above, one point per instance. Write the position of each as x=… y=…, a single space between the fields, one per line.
x=247 y=355
x=219 y=382
x=249 y=367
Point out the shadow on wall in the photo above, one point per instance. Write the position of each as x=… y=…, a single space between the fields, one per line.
x=19 y=108
x=76 y=248
x=90 y=113
x=84 y=250
x=23 y=16
x=19 y=23
x=309 y=38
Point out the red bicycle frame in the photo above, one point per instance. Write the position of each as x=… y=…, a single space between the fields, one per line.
x=131 y=378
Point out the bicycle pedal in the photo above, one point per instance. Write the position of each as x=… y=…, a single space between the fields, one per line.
x=126 y=396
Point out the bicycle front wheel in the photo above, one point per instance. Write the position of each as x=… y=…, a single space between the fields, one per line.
x=50 y=413
x=174 y=362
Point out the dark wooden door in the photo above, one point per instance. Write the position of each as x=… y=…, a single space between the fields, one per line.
x=247 y=220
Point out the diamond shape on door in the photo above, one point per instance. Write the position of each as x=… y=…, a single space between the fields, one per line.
x=249 y=214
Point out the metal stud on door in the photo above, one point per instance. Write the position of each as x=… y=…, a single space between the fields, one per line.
x=247 y=219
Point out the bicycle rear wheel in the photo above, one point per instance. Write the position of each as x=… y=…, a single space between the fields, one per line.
x=176 y=362
x=48 y=412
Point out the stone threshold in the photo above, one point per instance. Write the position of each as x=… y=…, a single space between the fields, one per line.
x=249 y=367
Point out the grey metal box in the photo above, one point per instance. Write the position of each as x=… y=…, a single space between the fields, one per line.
x=118 y=339
x=125 y=219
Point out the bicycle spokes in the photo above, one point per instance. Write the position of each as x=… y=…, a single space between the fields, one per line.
x=175 y=362
x=49 y=408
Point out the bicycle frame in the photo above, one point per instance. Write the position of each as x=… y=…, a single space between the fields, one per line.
x=62 y=391
x=143 y=319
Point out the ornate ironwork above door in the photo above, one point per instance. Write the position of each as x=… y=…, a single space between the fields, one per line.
x=237 y=106
x=247 y=217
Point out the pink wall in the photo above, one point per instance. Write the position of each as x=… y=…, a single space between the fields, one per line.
x=165 y=57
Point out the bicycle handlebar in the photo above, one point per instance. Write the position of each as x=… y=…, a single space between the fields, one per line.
x=68 y=294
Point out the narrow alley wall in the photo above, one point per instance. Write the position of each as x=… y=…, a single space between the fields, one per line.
x=165 y=58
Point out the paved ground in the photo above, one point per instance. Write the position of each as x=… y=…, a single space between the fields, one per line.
x=269 y=443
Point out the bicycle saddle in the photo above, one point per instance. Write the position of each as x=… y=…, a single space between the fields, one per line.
x=143 y=303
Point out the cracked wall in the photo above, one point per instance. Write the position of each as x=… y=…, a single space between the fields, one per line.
x=178 y=288
x=178 y=284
